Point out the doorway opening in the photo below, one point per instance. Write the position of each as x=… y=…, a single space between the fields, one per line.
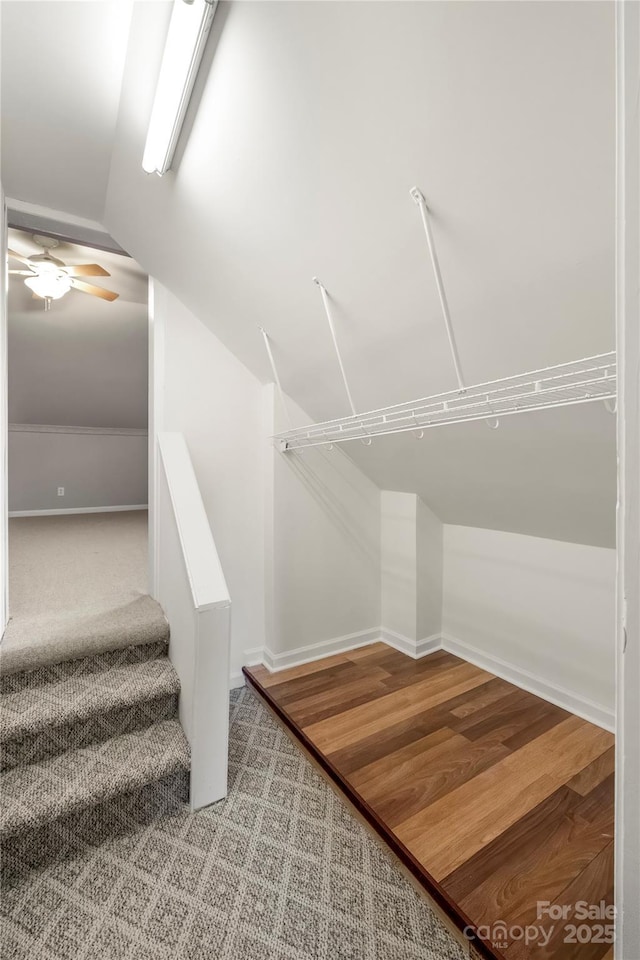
x=77 y=448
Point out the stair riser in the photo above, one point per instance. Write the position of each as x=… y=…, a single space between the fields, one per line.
x=12 y=683
x=68 y=837
x=40 y=744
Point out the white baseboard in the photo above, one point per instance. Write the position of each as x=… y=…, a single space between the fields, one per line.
x=316 y=651
x=70 y=510
x=547 y=690
x=351 y=641
x=236 y=680
x=413 y=648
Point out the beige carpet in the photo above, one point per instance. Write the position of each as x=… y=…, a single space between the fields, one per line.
x=77 y=586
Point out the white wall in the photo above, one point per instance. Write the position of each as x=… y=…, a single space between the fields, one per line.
x=411 y=572
x=97 y=468
x=213 y=400
x=398 y=563
x=322 y=547
x=85 y=360
x=544 y=608
x=429 y=561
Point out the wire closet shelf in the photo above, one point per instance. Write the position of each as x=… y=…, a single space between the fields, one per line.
x=579 y=381
x=565 y=384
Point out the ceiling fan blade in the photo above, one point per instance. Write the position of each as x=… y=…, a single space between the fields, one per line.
x=18 y=256
x=21 y=273
x=86 y=270
x=36 y=296
x=94 y=291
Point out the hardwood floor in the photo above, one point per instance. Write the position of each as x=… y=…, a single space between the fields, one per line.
x=495 y=799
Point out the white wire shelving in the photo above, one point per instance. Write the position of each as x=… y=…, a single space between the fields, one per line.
x=566 y=384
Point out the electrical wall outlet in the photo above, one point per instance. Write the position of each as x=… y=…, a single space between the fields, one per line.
x=61 y=491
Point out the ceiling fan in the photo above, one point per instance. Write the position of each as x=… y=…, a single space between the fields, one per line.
x=50 y=278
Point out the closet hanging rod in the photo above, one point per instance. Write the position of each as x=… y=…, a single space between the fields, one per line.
x=565 y=384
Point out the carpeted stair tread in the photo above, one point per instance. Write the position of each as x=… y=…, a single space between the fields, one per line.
x=80 y=698
x=31 y=643
x=43 y=792
x=81 y=666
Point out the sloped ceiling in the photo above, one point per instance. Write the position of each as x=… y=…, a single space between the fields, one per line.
x=62 y=67
x=84 y=362
x=310 y=123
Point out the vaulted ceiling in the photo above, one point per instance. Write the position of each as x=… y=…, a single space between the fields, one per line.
x=310 y=123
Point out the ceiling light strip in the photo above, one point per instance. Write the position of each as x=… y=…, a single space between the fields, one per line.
x=188 y=31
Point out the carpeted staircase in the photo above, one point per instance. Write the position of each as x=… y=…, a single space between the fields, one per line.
x=88 y=744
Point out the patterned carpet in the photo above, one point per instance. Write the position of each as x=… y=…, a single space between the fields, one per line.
x=280 y=870
x=83 y=709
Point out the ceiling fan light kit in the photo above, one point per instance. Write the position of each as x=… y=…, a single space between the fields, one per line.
x=49 y=286
x=50 y=278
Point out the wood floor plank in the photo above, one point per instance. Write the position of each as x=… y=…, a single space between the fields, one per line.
x=492 y=713
x=490 y=693
x=362 y=721
x=410 y=669
x=418 y=670
x=519 y=719
x=512 y=845
x=313 y=707
x=422 y=751
x=394 y=737
x=368 y=651
x=592 y=885
x=331 y=679
x=546 y=721
x=571 y=843
x=601 y=795
x=385 y=770
x=421 y=779
x=496 y=798
x=261 y=674
x=348 y=685
x=594 y=773
x=397 y=735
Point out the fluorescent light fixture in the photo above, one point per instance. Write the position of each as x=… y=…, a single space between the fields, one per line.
x=188 y=30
